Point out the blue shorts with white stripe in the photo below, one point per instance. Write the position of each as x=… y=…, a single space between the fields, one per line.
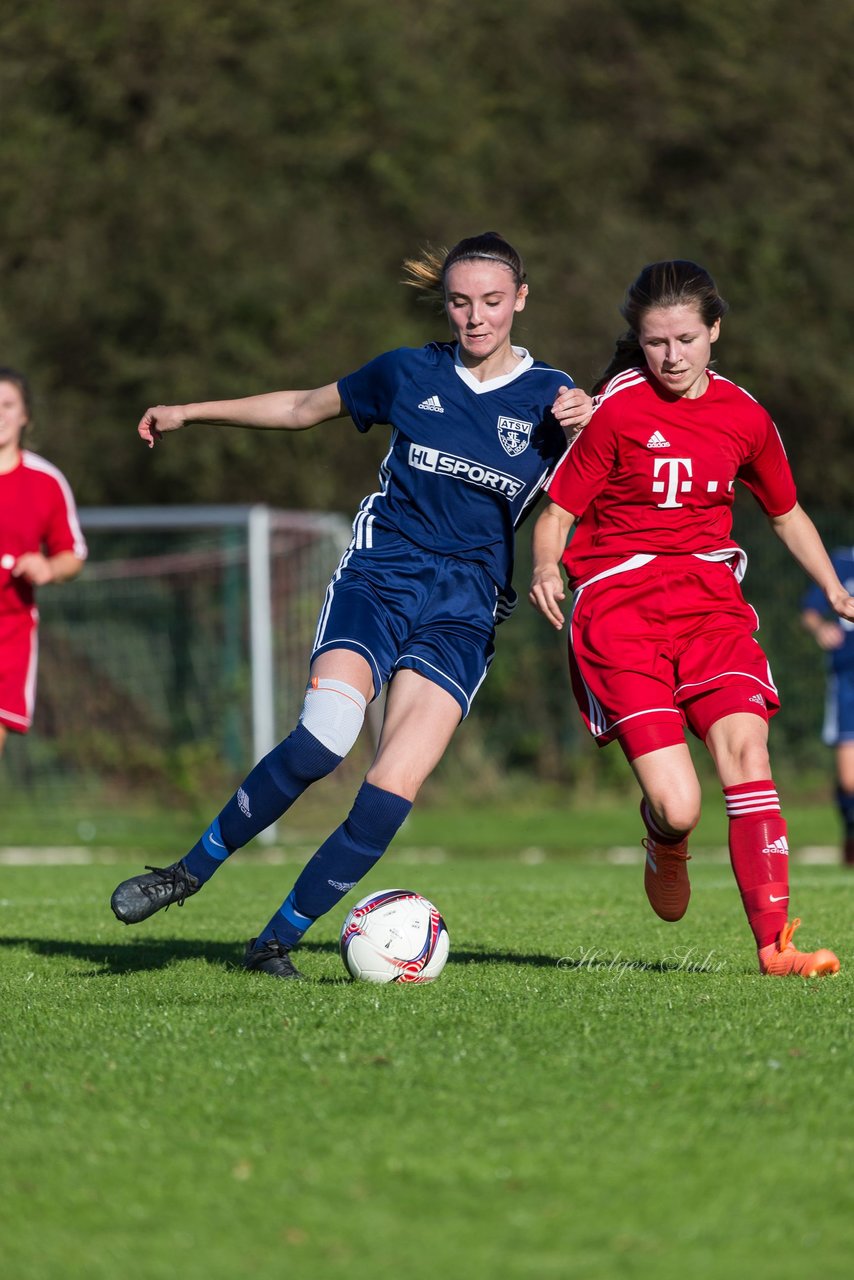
x=402 y=607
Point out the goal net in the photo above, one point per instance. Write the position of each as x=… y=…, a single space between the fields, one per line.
x=176 y=659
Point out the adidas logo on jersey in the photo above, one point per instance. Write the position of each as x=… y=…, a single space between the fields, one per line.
x=432 y=402
x=781 y=845
x=657 y=441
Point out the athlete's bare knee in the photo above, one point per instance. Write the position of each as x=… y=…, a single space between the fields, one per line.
x=671 y=788
x=400 y=781
x=343 y=664
x=675 y=814
x=674 y=801
x=742 y=761
x=739 y=747
x=845 y=765
x=399 y=770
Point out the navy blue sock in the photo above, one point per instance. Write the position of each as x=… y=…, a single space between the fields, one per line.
x=845 y=801
x=268 y=792
x=340 y=862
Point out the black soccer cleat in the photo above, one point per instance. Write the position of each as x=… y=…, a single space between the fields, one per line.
x=271 y=957
x=138 y=898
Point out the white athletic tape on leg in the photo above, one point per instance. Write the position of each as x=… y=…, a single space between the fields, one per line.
x=334 y=713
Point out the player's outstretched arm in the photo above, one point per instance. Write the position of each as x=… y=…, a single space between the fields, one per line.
x=801 y=538
x=276 y=411
x=549 y=540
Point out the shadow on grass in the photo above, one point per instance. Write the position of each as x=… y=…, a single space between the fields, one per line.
x=593 y=959
x=139 y=955
x=145 y=954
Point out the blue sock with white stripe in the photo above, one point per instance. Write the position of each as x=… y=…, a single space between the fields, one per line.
x=268 y=792
x=340 y=862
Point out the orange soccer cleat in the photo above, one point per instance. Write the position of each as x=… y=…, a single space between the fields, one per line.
x=665 y=878
x=782 y=957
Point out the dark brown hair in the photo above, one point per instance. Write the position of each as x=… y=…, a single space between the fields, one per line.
x=674 y=283
x=18 y=380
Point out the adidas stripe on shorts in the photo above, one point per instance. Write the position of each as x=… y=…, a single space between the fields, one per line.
x=402 y=607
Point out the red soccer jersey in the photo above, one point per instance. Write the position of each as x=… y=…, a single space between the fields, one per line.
x=37 y=513
x=653 y=473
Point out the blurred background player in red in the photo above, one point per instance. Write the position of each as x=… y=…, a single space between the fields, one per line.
x=836 y=637
x=660 y=635
x=40 y=542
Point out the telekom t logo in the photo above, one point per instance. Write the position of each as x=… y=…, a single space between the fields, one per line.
x=673 y=482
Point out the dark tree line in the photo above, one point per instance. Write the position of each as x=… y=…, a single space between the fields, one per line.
x=201 y=197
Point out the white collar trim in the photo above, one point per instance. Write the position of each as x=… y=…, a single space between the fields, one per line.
x=492 y=384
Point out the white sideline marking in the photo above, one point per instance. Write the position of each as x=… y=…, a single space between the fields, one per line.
x=49 y=857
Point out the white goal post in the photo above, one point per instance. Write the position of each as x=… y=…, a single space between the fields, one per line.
x=259 y=522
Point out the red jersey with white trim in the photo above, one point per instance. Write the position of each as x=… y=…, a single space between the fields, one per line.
x=653 y=473
x=37 y=513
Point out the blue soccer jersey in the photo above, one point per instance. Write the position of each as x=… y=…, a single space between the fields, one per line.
x=842 y=659
x=467 y=458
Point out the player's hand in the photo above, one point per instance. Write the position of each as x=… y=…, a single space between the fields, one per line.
x=842 y=603
x=34 y=568
x=155 y=422
x=573 y=409
x=547 y=592
x=829 y=635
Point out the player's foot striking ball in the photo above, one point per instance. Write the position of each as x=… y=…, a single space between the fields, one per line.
x=782 y=958
x=270 y=957
x=477 y=425
x=138 y=898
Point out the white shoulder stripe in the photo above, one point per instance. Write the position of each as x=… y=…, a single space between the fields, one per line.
x=621 y=382
x=35 y=462
x=719 y=377
x=549 y=368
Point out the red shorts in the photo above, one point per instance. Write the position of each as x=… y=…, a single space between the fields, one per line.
x=662 y=645
x=19 y=651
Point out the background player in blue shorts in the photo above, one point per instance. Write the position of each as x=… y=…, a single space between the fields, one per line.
x=477 y=426
x=836 y=636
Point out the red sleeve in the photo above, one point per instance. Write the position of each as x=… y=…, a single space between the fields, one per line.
x=61 y=530
x=588 y=462
x=768 y=475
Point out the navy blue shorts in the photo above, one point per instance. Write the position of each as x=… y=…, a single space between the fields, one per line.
x=839 y=708
x=402 y=607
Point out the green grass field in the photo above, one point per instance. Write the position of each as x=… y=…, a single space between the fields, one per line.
x=585 y=1092
x=503 y=825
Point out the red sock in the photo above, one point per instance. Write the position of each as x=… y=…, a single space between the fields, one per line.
x=759 y=853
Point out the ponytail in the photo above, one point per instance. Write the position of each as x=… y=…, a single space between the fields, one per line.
x=427 y=272
x=627 y=355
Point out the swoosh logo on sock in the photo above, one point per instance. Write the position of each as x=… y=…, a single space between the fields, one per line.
x=783 y=898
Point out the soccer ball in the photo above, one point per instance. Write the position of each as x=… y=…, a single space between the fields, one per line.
x=394 y=936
